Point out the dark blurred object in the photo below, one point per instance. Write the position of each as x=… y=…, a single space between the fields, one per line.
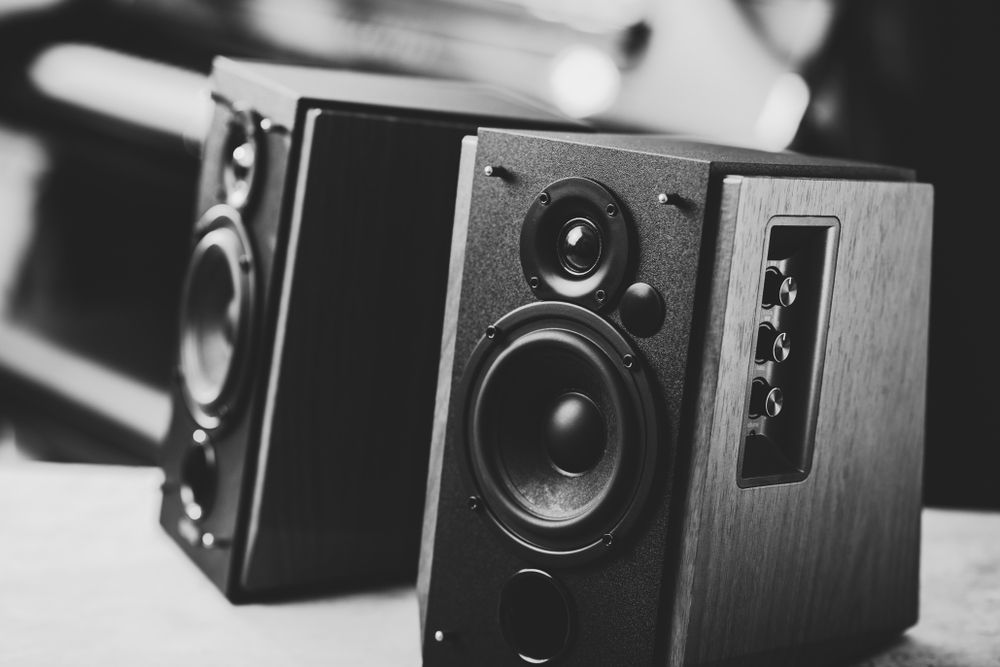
x=912 y=83
x=95 y=189
x=706 y=68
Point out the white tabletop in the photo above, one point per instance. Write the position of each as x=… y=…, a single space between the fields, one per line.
x=87 y=577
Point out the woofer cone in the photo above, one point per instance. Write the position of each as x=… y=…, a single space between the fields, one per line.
x=561 y=429
x=575 y=243
x=216 y=318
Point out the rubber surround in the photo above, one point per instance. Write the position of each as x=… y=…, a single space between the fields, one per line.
x=557 y=204
x=219 y=229
x=588 y=512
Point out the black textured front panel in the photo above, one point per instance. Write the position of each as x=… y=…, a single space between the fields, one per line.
x=235 y=442
x=346 y=461
x=616 y=597
x=736 y=161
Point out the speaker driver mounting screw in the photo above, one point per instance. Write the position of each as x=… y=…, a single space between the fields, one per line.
x=611 y=210
x=600 y=295
x=628 y=360
x=533 y=282
x=544 y=198
x=473 y=503
x=491 y=332
x=607 y=539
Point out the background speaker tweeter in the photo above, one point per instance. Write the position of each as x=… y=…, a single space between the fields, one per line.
x=241 y=158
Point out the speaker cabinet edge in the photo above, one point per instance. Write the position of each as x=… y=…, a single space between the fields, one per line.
x=463 y=203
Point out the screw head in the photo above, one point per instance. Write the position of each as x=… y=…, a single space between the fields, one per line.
x=628 y=361
x=600 y=295
x=473 y=503
x=491 y=331
x=607 y=539
x=544 y=198
x=533 y=282
x=611 y=210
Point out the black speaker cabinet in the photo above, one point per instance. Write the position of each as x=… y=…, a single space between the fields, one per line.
x=311 y=322
x=680 y=406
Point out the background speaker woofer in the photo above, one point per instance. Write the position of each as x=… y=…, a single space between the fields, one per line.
x=536 y=617
x=561 y=428
x=575 y=243
x=216 y=317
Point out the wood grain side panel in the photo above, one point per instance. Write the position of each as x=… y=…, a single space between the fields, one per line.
x=835 y=555
x=345 y=465
x=463 y=202
x=702 y=430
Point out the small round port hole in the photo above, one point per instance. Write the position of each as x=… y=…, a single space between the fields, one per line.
x=535 y=616
x=199 y=480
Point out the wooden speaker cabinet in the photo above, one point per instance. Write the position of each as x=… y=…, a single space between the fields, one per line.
x=311 y=320
x=680 y=406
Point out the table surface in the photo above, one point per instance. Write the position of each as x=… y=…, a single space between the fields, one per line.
x=88 y=578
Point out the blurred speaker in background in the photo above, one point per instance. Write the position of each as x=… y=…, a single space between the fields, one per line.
x=102 y=110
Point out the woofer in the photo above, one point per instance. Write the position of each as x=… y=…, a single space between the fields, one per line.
x=561 y=428
x=575 y=243
x=216 y=317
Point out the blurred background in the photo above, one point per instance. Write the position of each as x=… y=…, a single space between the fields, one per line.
x=104 y=105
